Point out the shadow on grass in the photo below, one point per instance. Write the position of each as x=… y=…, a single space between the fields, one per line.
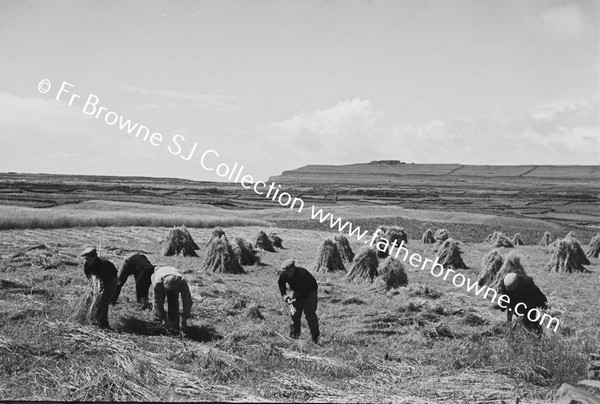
x=203 y=333
x=133 y=325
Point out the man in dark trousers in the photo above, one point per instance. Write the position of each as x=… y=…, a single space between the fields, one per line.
x=103 y=276
x=140 y=267
x=169 y=282
x=524 y=297
x=304 y=298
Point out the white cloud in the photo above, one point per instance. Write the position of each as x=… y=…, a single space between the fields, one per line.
x=565 y=21
x=343 y=118
x=558 y=132
x=197 y=99
x=332 y=134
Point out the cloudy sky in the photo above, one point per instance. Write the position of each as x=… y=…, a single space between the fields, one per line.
x=276 y=85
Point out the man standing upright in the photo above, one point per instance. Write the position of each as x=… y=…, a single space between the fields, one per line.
x=103 y=276
x=304 y=297
x=169 y=282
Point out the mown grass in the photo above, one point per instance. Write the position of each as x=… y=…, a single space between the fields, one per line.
x=30 y=218
x=425 y=343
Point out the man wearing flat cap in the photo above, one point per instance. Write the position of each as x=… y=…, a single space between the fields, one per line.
x=169 y=282
x=103 y=281
x=524 y=296
x=303 y=299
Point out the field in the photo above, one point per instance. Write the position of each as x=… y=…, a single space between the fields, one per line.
x=429 y=342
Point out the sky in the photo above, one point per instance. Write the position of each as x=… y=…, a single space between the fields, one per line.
x=276 y=85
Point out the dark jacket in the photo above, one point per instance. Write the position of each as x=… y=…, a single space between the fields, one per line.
x=526 y=292
x=300 y=280
x=101 y=268
x=140 y=267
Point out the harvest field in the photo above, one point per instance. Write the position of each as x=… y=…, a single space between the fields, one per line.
x=429 y=342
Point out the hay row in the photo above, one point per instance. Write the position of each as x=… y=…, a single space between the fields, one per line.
x=364 y=266
x=498 y=239
x=263 y=243
x=221 y=258
x=387 y=237
x=495 y=268
x=343 y=246
x=594 y=247
x=179 y=241
x=568 y=257
x=245 y=253
x=449 y=255
x=427 y=237
x=328 y=258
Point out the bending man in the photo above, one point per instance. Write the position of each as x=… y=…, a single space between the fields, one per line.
x=304 y=298
x=103 y=281
x=169 y=282
x=140 y=267
x=522 y=291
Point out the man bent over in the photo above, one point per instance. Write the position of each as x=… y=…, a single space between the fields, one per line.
x=304 y=297
x=140 y=267
x=169 y=282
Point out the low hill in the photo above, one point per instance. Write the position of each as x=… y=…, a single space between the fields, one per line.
x=391 y=171
x=561 y=194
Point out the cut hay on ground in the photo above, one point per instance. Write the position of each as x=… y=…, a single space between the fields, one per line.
x=392 y=274
x=568 y=257
x=216 y=233
x=364 y=266
x=427 y=237
x=594 y=247
x=276 y=240
x=343 y=246
x=517 y=240
x=490 y=266
x=221 y=258
x=449 y=255
x=127 y=372
x=512 y=264
x=263 y=243
x=328 y=258
x=179 y=241
x=498 y=239
x=245 y=252
x=546 y=239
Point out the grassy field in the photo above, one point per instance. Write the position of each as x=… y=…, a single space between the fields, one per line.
x=565 y=195
x=426 y=343
x=106 y=214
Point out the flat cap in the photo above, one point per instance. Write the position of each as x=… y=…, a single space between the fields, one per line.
x=511 y=281
x=89 y=252
x=288 y=264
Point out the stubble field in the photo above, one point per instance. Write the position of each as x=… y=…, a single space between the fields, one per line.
x=426 y=343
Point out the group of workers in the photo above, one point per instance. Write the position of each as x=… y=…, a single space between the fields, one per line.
x=165 y=281
x=169 y=282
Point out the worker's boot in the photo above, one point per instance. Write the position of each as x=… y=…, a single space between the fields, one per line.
x=144 y=303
